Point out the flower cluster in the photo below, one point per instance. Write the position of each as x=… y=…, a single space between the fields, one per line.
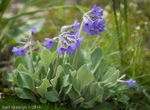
x=22 y=51
x=68 y=39
x=94 y=24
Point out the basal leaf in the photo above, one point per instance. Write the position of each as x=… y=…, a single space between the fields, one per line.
x=15 y=82
x=67 y=69
x=52 y=96
x=25 y=81
x=24 y=93
x=58 y=72
x=42 y=89
x=111 y=76
x=24 y=60
x=46 y=57
x=90 y=103
x=79 y=101
x=21 y=68
x=37 y=73
x=8 y=76
x=96 y=57
x=84 y=77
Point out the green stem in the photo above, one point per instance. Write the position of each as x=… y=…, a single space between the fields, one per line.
x=31 y=57
x=75 y=59
x=57 y=62
x=77 y=51
x=65 y=59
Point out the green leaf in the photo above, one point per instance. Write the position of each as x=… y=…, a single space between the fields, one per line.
x=78 y=101
x=24 y=93
x=42 y=89
x=100 y=71
x=95 y=90
x=52 y=96
x=25 y=81
x=24 y=60
x=90 y=103
x=123 y=98
x=54 y=48
x=46 y=58
x=108 y=73
x=73 y=74
x=84 y=77
x=43 y=73
x=43 y=101
x=81 y=60
x=38 y=82
x=21 y=68
x=50 y=73
x=36 y=57
x=8 y=76
x=68 y=89
x=39 y=44
x=105 y=106
x=96 y=57
x=67 y=69
x=93 y=94
x=15 y=80
x=72 y=93
x=58 y=72
x=65 y=81
x=111 y=76
x=37 y=73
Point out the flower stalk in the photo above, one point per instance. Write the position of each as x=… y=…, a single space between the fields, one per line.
x=31 y=58
x=57 y=63
x=77 y=51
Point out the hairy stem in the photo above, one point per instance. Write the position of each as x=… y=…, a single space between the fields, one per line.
x=57 y=63
x=75 y=59
x=77 y=51
x=31 y=57
x=65 y=60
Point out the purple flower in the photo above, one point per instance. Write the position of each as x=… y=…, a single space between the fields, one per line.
x=87 y=26
x=49 y=43
x=78 y=43
x=16 y=51
x=76 y=24
x=100 y=13
x=92 y=32
x=96 y=10
x=100 y=22
x=20 y=51
x=70 y=49
x=32 y=30
x=61 y=50
x=131 y=82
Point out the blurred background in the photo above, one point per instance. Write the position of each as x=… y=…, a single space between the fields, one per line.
x=125 y=42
